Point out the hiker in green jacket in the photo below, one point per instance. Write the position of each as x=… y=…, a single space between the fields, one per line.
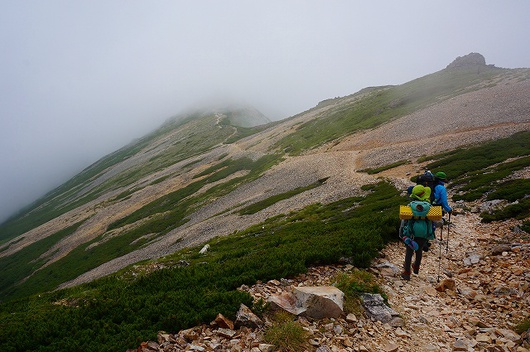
x=416 y=231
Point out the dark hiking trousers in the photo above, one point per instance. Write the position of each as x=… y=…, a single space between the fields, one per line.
x=408 y=254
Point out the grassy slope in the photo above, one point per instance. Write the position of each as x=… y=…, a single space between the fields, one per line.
x=131 y=306
x=195 y=134
x=380 y=105
x=480 y=172
x=118 y=312
x=166 y=213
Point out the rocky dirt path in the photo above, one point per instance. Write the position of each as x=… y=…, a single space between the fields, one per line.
x=469 y=294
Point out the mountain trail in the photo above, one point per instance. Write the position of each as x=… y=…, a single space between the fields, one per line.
x=471 y=290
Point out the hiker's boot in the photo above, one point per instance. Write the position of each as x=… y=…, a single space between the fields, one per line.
x=415 y=269
x=405 y=275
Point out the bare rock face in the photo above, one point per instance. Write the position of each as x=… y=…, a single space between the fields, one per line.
x=472 y=59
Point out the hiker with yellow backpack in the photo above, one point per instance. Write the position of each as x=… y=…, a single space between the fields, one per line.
x=417 y=227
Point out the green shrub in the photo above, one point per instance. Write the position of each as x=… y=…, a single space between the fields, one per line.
x=286 y=334
x=385 y=167
x=480 y=157
x=523 y=326
x=353 y=285
x=511 y=190
x=479 y=171
x=120 y=311
x=254 y=208
x=520 y=210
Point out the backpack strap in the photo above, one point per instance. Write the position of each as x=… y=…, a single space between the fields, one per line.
x=410 y=226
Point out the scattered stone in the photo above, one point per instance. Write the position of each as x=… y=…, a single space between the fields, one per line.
x=245 y=317
x=264 y=347
x=500 y=248
x=351 y=318
x=388 y=269
x=504 y=290
x=320 y=302
x=510 y=335
x=227 y=333
x=189 y=335
x=224 y=322
x=478 y=322
x=376 y=308
x=431 y=291
x=182 y=263
x=400 y=333
x=286 y=301
x=338 y=330
x=163 y=337
x=430 y=348
x=390 y=347
x=486 y=338
x=396 y=322
x=460 y=345
x=204 y=249
x=472 y=259
x=467 y=292
x=446 y=284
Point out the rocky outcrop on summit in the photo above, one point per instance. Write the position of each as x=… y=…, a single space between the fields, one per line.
x=472 y=59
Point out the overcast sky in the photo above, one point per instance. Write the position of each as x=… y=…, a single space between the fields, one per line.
x=80 y=79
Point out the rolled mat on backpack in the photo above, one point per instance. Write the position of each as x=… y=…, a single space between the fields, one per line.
x=435 y=213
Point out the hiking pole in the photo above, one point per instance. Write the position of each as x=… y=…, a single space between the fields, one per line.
x=439 y=260
x=440 y=244
x=448 y=228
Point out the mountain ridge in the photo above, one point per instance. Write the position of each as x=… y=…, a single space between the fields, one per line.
x=333 y=141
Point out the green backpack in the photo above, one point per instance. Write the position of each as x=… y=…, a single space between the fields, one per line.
x=419 y=225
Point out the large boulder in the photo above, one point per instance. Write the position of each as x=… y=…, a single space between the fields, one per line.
x=316 y=302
